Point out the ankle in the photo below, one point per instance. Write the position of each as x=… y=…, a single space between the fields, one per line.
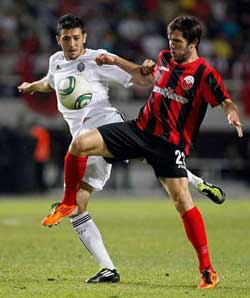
x=69 y=197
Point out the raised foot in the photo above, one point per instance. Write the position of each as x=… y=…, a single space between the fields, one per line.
x=213 y=192
x=59 y=211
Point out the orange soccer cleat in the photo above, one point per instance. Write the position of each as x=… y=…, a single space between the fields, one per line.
x=209 y=279
x=59 y=212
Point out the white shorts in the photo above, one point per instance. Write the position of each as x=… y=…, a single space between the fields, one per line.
x=98 y=170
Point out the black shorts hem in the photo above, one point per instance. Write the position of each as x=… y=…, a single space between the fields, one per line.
x=125 y=140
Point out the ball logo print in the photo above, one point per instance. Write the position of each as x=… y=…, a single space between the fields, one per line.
x=75 y=92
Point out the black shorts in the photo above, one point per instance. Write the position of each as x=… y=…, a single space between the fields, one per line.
x=126 y=141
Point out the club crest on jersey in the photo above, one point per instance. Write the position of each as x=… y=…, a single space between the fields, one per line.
x=187 y=82
x=81 y=66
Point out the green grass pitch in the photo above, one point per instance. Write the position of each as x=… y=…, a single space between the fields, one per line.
x=145 y=239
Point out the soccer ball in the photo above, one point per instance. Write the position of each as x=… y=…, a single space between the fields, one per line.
x=75 y=92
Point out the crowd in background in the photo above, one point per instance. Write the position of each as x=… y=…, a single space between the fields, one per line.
x=130 y=28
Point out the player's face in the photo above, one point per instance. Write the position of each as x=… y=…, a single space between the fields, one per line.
x=72 y=42
x=179 y=47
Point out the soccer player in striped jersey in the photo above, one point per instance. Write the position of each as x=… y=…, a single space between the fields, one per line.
x=84 y=175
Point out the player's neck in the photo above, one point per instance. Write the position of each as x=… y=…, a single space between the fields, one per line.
x=193 y=57
x=83 y=51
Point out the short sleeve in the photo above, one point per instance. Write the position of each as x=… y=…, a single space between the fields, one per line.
x=50 y=77
x=214 y=90
x=115 y=73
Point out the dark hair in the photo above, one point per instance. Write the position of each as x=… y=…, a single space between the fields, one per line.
x=70 y=21
x=190 y=27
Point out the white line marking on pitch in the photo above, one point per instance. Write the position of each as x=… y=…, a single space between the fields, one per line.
x=10 y=222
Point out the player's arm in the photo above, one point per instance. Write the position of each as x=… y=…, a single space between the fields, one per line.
x=232 y=114
x=41 y=85
x=142 y=74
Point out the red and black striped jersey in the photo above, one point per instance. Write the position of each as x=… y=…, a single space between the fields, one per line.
x=178 y=102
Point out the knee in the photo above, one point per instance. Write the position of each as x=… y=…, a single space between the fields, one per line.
x=178 y=196
x=78 y=145
x=182 y=200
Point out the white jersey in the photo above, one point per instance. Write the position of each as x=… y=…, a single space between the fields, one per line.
x=98 y=77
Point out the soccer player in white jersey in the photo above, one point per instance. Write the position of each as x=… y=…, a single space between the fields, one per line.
x=75 y=58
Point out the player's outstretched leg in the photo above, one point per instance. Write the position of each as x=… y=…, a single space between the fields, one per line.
x=212 y=191
x=74 y=169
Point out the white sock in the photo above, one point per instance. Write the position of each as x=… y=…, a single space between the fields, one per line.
x=194 y=180
x=91 y=237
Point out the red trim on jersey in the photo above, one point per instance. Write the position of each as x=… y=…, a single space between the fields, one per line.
x=211 y=90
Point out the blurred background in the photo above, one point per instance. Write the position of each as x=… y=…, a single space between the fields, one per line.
x=33 y=135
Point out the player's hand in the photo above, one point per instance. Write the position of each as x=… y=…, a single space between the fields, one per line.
x=105 y=59
x=147 y=67
x=26 y=88
x=233 y=119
